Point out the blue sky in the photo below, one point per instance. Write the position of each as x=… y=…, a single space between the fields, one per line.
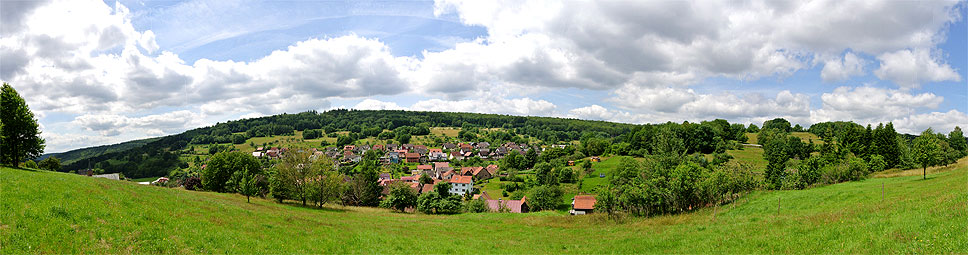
x=105 y=72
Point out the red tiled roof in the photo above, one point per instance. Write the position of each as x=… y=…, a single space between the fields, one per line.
x=441 y=164
x=584 y=203
x=515 y=206
x=427 y=188
x=492 y=169
x=424 y=167
x=412 y=155
x=461 y=179
x=470 y=170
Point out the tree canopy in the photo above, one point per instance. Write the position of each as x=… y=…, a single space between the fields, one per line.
x=19 y=133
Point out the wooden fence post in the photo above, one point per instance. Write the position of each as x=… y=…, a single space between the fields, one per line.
x=778 y=206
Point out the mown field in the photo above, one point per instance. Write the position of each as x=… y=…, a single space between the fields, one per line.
x=47 y=212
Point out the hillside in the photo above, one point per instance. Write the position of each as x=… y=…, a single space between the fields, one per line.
x=48 y=212
x=160 y=156
x=72 y=156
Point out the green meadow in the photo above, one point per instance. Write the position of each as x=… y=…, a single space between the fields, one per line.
x=49 y=212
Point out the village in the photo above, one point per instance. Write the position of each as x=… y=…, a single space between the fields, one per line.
x=435 y=163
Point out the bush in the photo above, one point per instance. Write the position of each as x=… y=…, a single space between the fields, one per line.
x=192 y=183
x=50 y=164
x=546 y=197
x=853 y=169
x=30 y=164
x=476 y=206
x=400 y=198
x=721 y=158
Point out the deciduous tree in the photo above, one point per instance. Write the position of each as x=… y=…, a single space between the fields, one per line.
x=223 y=165
x=50 y=164
x=19 y=133
x=927 y=151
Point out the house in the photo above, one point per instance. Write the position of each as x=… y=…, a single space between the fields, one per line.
x=466 y=148
x=412 y=157
x=429 y=187
x=385 y=176
x=379 y=147
x=492 y=169
x=483 y=195
x=440 y=171
x=420 y=149
x=461 y=185
x=438 y=165
x=410 y=179
x=257 y=154
x=481 y=173
x=449 y=146
x=447 y=175
x=426 y=169
x=436 y=155
x=349 y=148
x=582 y=205
x=456 y=155
x=484 y=153
x=571 y=163
x=482 y=145
x=596 y=159
x=512 y=206
x=470 y=170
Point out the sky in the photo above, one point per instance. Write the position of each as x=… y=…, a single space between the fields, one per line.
x=104 y=72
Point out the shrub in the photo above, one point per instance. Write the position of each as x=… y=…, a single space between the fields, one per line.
x=30 y=164
x=721 y=158
x=50 y=164
x=853 y=169
x=476 y=206
x=400 y=198
x=546 y=197
x=192 y=183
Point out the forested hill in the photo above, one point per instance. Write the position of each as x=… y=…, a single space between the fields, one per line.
x=83 y=153
x=161 y=155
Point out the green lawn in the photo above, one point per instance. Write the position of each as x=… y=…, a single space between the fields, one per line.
x=804 y=136
x=48 y=212
x=749 y=154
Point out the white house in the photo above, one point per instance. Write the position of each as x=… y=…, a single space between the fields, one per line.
x=461 y=185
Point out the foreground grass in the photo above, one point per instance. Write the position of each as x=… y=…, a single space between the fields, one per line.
x=47 y=212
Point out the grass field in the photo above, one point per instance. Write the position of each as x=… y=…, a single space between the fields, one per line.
x=48 y=212
x=752 y=155
x=804 y=136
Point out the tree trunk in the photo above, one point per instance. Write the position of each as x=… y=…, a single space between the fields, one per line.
x=247 y=199
x=924 y=173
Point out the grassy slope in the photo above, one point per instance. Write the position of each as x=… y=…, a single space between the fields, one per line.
x=46 y=212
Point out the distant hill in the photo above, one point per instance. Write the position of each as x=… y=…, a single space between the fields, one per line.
x=158 y=156
x=80 y=154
